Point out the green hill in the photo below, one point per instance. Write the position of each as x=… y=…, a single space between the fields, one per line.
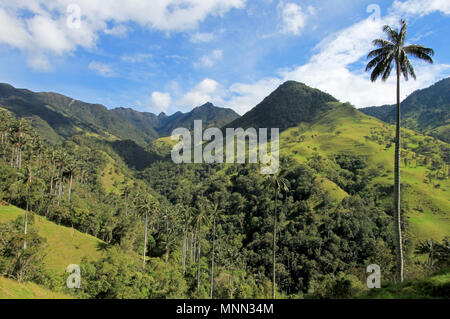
x=345 y=130
x=66 y=116
x=318 y=127
x=289 y=105
x=426 y=111
x=65 y=245
x=11 y=289
x=435 y=286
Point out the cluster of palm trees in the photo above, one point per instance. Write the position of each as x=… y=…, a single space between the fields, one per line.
x=48 y=170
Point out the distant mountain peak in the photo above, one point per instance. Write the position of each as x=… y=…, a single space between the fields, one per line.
x=290 y=104
x=162 y=115
x=207 y=104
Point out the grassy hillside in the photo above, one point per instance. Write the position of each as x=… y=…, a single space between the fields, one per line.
x=65 y=245
x=344 y=130
x=425 y=111
x=11 y=289
x=436 y=286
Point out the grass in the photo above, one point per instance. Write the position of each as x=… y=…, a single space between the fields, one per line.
x=65 y=245
x=344 y=129
x=11 y=289
x=111 y=176
x=434 y=287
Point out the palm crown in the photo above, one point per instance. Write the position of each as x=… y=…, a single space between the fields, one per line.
x=394 y=50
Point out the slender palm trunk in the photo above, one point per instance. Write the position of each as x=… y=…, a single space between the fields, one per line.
x=212 y=259
x=60 y=187
x=198 y=268
x=397 y=198
x=70 y=185
x=25 y=225
x=185 y=244
x=145 y=239
x=274 y=243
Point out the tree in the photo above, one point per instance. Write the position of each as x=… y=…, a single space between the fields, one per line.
x=72 y=166
x=27 y=180
x=199 y=220
x=278 y=184
x=145 y=204
x=427 y=247
x=215 y=212
x=389 y=52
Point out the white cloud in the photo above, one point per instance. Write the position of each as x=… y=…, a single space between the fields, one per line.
x=103 y=69
x=160 y=101
x=420 y=7
x=44 y=29
x=332 y=68
x=293 y=18
x=202 y=37
x=246 y=96
x=207 y=90
x=208 y=61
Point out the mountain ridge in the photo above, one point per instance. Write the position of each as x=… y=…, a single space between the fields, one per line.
x=426 y=111
x=56 y=117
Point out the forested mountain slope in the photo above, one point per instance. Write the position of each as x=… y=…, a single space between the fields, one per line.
x=426 y=111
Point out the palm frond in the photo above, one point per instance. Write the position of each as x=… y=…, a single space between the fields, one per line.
x=406 y=67
x=380 y=51
x=388 y=68
x=420 y=52
x=381 y=43
x=403 y=32
x=392 y=34
x=377 y=71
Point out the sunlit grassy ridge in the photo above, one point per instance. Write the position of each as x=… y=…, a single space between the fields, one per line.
x=346 y=130
x=11 y=289
x=436 y=286
x=111 y=176
x=65 y=245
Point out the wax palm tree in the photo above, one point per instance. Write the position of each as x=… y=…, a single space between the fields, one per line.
x=278 y=184
x=427 y=247
x=215 y=214
x=26 y=178
x=125 y=195
x=20 y=128
x=392 y=53
x=72 y=166
x=145 y=204
x=200 y=219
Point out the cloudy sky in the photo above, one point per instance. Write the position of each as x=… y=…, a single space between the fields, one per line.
x=170 y=55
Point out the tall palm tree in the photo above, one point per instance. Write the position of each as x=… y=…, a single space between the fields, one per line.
x=27 y=180
x=278 y=184
x=215 y=212
x=388 y=54
x=72 y=167
x=145 y=204
x=200 y=219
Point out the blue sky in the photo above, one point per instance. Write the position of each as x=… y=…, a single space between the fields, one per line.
x=170 y=55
